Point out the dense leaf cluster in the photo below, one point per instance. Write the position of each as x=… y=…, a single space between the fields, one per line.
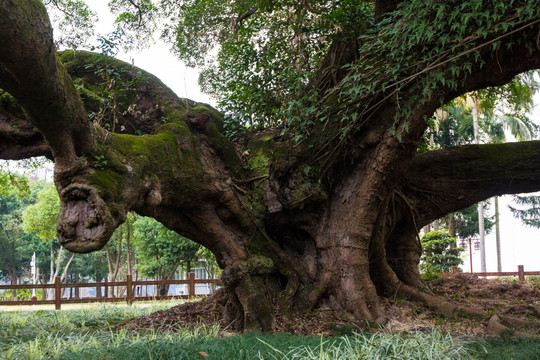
x=257 y=58
x=439 y=252
x=427 y=44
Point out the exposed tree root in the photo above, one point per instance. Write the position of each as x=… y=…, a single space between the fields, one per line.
x=500 y=325
x=456 y=314
x=441 y=306
x=497 y=324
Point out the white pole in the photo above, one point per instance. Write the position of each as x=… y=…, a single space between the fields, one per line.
x=481 y=230
x=33 y=266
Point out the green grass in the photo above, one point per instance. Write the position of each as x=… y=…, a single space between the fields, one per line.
x=510 y=348
x=84 y=334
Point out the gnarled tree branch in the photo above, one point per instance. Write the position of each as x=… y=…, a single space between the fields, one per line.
x=31 y=72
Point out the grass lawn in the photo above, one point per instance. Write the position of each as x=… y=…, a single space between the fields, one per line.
x=83 y=333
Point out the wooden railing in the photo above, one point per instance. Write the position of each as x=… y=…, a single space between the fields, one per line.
x=129 y=297
x=520 y=273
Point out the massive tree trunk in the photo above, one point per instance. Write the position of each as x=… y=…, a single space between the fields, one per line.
x=328 y=224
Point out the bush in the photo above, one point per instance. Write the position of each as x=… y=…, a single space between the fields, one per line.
x=439 y=253
x=22 y=294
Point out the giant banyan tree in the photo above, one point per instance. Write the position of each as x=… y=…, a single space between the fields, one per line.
x=327 y=220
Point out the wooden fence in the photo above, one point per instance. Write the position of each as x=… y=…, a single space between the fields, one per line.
x=520 y=273
x=129 y=297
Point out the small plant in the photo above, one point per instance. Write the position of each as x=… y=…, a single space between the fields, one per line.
x=100 y=162
x=439 y=253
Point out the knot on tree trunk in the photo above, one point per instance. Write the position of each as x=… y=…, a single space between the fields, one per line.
x=85 y=222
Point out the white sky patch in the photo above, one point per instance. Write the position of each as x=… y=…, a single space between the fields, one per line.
x=157 y=60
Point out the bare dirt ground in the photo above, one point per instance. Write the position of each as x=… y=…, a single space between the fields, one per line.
x=507 y=298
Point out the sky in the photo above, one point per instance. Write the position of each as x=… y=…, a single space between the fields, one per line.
x=520 y=245
x=157 y=60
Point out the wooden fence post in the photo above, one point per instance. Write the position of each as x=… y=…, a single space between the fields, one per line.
x=98 y=288
x=77 y=289
x=129 y=290
x=57 y=293
x=191 y=285
x=521 y=273
x=106 y=288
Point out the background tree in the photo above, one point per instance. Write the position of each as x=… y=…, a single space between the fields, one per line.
x=41 y=218
x=323 y=215
x=439 y=254
x=17 y=247
x=13 y=184
x=527 y=209
x=12 y=239
x=160 y=251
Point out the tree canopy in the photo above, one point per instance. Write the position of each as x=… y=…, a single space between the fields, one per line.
x=313 y=202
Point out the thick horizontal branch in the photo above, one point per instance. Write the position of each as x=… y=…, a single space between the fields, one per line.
x=444 y=181
x=31 y=72
x=19 y=139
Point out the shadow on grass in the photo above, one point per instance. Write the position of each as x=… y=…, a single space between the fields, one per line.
x=509 y=347
x=246 y=347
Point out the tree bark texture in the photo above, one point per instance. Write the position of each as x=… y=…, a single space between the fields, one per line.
x=328 y=224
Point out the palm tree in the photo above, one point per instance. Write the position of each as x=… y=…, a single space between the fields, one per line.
x=485 y=116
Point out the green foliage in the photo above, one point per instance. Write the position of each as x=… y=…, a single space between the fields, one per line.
x=258 y=57
x=74 y=19
x=527 y=209
x=209 y=262
x=457 y=127
x=15 y=253
x=41 y=217
x=22 y=294
x=255 y=57
x=13 y=183
x=466 y=222
x=159 y=250
x=137 y=24
x=504 y=107
x=439 y=252
x=432 y=45
x=509 y=104
x=29 y=226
